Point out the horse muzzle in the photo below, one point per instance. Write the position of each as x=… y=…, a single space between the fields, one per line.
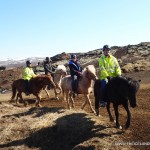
x=133 y=105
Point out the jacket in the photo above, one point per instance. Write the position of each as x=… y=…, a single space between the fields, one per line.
x=74 y=68
x=28 y=73
x=49 y=68
x=109 y=66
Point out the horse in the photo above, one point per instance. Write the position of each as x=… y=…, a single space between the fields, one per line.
x=60 y=72
x=118 y=91
x=36 y=85
x=84 y=86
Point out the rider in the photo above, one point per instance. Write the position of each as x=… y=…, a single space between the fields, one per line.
x=49 y=68
x=109 y=67
x=75 y=71
x=28 y=74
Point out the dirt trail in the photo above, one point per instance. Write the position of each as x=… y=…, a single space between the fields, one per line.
x=54 y=127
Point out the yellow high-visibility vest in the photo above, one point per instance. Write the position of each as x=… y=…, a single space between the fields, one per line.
x=28 y=73
x=109 y=67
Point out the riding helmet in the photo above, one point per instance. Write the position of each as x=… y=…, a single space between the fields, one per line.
x=28 y=62
x=48 y=59
x=106 y=47
x=73 y=56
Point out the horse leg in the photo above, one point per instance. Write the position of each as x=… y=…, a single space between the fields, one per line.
x=96 y=104
x=67 y=99
x=20 y=95
x=87 y=100
x=37 y=102
x=47 y=92
x=17 y=98
x=128 y=114
x=71 y=98
x=56 y=95
x=117 y=115
x=109 y=113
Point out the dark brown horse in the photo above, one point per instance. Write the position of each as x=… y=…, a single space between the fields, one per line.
x=118 y=91
x=36 y=85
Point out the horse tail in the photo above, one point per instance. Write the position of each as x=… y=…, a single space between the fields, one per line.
x=13 y=91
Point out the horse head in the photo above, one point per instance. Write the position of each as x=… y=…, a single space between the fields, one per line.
x=90 y=72
x=61 y=69
x=133 y=88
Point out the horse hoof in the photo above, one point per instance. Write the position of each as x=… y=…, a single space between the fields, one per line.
x=127 y=126
x=25 y=104
x=11 y=101
x=38 y=105
x=112 y=120
x=93 y=111
x=119 y=127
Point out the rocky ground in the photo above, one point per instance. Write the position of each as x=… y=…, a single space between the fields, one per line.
x=53 y=126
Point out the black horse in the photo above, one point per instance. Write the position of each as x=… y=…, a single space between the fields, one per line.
x=118 y=91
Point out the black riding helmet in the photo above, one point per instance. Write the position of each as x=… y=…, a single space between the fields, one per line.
x=48 y=59
x=106 y=47
x=28 y=62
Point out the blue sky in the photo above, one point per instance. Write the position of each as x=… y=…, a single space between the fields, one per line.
x=43 y=28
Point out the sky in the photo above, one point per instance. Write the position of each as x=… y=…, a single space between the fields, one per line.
x=41 y=28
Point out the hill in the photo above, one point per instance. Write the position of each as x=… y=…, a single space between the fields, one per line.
x=53 y=126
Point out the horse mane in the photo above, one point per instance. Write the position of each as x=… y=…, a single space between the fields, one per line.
x=89 y=68
x=59 y=67
x=134 y=84
x=40 y=77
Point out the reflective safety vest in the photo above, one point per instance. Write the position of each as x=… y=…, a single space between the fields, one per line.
x=28 y=73
x=109 y=67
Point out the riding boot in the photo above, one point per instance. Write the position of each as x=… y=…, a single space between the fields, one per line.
x=73 y=88
x=27 y=87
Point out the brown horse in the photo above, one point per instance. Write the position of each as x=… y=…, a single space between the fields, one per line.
x=84 y=86
x=36 y=85
x=60 y=72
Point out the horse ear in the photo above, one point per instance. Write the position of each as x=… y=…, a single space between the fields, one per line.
x=86 y=68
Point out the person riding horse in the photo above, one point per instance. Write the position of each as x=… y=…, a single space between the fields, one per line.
x=75 y=72
x=28 y=74
x=109 y=67
x=49 y=68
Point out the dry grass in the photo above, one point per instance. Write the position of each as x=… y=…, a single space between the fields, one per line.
x=54 y=127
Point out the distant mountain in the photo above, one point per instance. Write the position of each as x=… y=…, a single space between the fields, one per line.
x=131 y=54
x=12 y=63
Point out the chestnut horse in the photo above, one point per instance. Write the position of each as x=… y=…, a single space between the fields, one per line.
x=84 y=86
x=36 y=85
x=60 y=72
x=118 y=91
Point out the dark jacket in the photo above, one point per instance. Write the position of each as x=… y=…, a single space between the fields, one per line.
x=49 y=68
x=75 y=68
